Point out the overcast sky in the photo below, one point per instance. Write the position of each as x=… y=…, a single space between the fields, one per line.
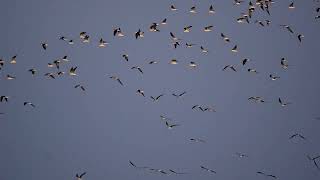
x=98 y=131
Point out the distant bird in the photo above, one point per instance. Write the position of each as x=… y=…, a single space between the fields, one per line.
x=164 y=21
x=29 y=103
x=44 y=46
x=208 y=170
x=79 y=177
x=211 y=10
x=314 y=160
x=274 y=77
x=173 y=61
x=288 y=28
x=156 y=98
x=139 y=34
x=318 y=9
x=317 y=17
x=174 y=38
x=176 y=44
x=154 y=27
x=189 y=45
x=165 y=118
x=230 y=67
x=225 y=38
x=65 y=58
x=117 y=32
x=208 y=28
x=252 y=70
x=72 y=71
x=175 y=172
x=152 y=62
x=158 y=170
x=203 y=49
x=284 y=63
x=170 y=126
x=193 y=10
x=69 y=41
x=238 y=2
x=51 y=75
x=235 y=49
x=297 y=135
x=13 y=59
x=291 y=5
x=256 y=99
x=244 y=61
x=300 y=37
x=197 y=140
x=283 y=103
x=267 y=175
x=192 y=64
x=141 y=92
x=33 y=71
x=126 y=57
x=138 y=68
x=187 y=29
x=138 y=167
x=117 y=79
x=173 y=8
x=179 y=95
x=10 y=77
x=80 y=86
x=102 y=43
x=241 y=155
x=4 y=98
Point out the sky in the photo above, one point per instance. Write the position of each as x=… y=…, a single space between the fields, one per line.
x=100 y=130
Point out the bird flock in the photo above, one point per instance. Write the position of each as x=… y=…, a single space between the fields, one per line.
x=59 y=67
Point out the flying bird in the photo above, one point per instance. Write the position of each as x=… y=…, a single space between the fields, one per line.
x=33 y=71
x=284 y=63
x=138 y=167
x=267 y=175
x=173 y=8
x=44 y=46
x=102 y=43
x=4 y=98
x=273 y=78
x=208 y=28
x=170 y=126
x=139 y=34
x=126 y=57
x=79 y=177
x=283 y=103
x=156 y=98
x=179 y=95
x=141 y=92
x=72 y=71
x=230 y=67
x=208 y=170
x=288 y=28
x=300 y=37
x=173 y=61
x=138 y=68
x=117 y=79
x=235 y=49
x=13 y=59
x=245 y=61
x=80 y=86
x=211 y=10
x=197 y=140
x=225 y=38
x=29 y=103
x=297 y=135
x=187 y=29
x=193 y=10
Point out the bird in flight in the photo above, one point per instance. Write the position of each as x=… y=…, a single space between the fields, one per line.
x=171 y=126
x=13 y=59
x=193 y=10
x=138 y=167
x=211 y=10
x=245 y=61
x=102 y=43
x=300 y=37
x=192 y=64
x=173 y=8
x=10 y=77
x=224 y=37
x=126 y=57
x=139 y=34
x=256 y=99
x=72 y=71
x=79 y=177
x=197 y=140
x=173 y=61
x=284 y=63
x=29 y=103
x=230 y=67
x=314 y=160
x=44 y=46
x=4 y=98
x=175 y=172
x=297 y=135
x=235 y=49
x=267 y=175
x=141 y=92
x=253 y=70
x=291 y=5
x=80 y=86
x=288 y=28
x=187 y=29
x=203 y=50
x=156 y=98
x=283 y=103
x=154 y=27
x=179 y=95
x=241 y=155
x=117 y=32
x=138 y=68
x=208 y=170
x=273 y=78
x=208 y=28
x=117 y=79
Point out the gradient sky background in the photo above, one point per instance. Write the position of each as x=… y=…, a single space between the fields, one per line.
x=100 y=130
